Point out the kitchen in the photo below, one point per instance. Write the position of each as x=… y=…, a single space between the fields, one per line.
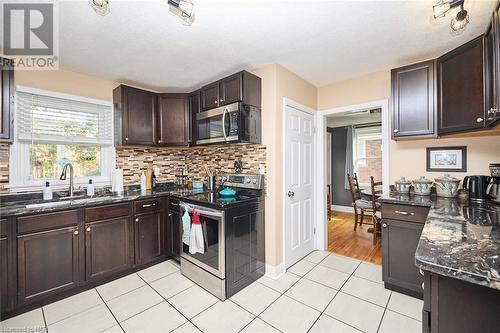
x=137 y=282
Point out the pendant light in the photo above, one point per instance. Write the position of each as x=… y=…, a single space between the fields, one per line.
x=185 y=7
x=101 y=7
x=459 y=23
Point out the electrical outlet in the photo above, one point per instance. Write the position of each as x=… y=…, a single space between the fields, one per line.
x=262 y=169
x=156 y=171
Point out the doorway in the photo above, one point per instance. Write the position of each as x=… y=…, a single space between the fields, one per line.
x=344 y=212
x=299 y=180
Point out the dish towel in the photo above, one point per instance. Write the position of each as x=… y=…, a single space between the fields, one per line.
x=186 y=228
x=197 y=244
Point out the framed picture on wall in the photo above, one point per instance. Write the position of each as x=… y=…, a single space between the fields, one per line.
x=449 y=159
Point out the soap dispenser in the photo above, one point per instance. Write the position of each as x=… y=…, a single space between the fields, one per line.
x=47 y=192
x=90 y=188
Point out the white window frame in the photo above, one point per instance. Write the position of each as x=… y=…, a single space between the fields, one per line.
x=376 y=131
x=19 y=166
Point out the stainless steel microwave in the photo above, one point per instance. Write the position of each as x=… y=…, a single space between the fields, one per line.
x=235 y=122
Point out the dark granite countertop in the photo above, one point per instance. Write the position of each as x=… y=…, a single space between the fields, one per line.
x=460 y=239
x=16 y=205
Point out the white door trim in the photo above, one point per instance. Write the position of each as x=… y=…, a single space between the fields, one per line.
x=320 y=137
x=287 y=102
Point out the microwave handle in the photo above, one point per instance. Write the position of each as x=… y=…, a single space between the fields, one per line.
x=226 y=111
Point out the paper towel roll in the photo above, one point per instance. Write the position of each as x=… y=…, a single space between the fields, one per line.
x=117 y=181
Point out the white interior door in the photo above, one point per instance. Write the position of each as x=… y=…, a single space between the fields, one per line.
x=299 y=151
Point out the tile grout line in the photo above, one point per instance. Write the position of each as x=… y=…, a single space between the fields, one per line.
x=383 y=314
x=323 y=312
x=44 y=320
x=166 y=300
x=106 y=305
x=74 y=314
x=257 y=316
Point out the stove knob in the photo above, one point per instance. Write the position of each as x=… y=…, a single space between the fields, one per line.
x=254 y=181
x=248 y=180
x=224 y=178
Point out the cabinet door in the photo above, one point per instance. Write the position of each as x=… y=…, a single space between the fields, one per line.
x=231 y=89
x=6 y=102
x=4 y=287
x=493 y=69
x=149 y=237
x=210 y=96
x=139 y=116
x=414 y=101
x=194 y=109
x=107 y=247
x=461 y=83
x=175 y=225
x=173 y=120
x=399 y=243
x=47 y=263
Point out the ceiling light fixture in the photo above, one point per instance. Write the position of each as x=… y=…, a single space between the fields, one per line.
x=460 y=21
x=185 y=9
x=101 y=7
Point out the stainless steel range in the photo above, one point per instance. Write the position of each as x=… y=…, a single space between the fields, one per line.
x=233 y=236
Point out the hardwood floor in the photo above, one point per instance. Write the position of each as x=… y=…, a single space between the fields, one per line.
x=342 y=239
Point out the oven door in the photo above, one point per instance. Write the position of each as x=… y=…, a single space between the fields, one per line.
x=213 y=260
x=218 y=125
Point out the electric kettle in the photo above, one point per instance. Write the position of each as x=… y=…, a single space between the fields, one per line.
x=477 y=187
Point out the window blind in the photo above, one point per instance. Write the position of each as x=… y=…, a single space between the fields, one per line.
x=49 y=119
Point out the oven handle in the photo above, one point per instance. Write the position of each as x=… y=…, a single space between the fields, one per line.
x=202 y=211
x=226 y=111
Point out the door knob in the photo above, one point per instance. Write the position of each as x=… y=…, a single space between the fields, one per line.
x=290 y=194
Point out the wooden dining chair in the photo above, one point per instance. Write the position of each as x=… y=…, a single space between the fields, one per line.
x=375 y=207
x=357 y=202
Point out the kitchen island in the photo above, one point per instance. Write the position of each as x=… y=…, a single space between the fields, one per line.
x=458 y=253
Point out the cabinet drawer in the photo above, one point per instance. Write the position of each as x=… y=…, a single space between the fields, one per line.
x=47 y=221
x=107 y=212
x=145 y=206
x=3 y=228
x=173 y=205
x=405 y=213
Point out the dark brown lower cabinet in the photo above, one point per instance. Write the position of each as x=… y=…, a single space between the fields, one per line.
x=149 y=237
x=47 y=263
x=4 y=276
x=399 y=242
x=453 y=305
x=175 y=228
x=107 y=246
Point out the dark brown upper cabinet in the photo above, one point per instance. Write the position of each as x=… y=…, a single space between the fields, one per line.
x=210 y=96
x=242 y=86
x=414 y=111
x=462 y=88
x=493 y=69
x=135 y=116
x=174 y=121
x=6 y=102
x=194 y=109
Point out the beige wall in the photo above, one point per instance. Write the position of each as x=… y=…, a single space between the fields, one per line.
x=278 y=82
x=68 y=82
x=408 y=158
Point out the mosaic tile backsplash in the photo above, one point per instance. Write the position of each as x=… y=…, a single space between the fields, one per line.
x=4 y=167
x=134 y=160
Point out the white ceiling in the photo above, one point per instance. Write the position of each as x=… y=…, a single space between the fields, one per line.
x=143 y=43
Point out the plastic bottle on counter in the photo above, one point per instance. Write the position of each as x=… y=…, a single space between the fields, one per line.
x=47 y=192
x=90 y=188
x=143 y=181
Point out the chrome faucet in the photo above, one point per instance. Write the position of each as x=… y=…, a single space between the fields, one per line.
x=63 y=177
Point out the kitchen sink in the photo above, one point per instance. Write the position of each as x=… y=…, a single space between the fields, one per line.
x=68 y=202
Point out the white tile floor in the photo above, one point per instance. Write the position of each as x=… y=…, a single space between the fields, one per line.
x=322 y=293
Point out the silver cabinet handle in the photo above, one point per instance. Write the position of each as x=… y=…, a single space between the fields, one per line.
x=88 y=229
x=421 y=271
x=174 y=204
x=126 y=139
x=400 y=212
x=215 y=102
x=396 y=130
x=384 y=225
x=492 y=111
x=221 y=100
x=291 y=194
x=149 y=205
x=169 y=215
x=137 y=220
x=479 y=120
x=75 y=232
x=423 y=285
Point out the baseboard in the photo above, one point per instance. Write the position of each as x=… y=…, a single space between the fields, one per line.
x=345 y=209
x=275 y=272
